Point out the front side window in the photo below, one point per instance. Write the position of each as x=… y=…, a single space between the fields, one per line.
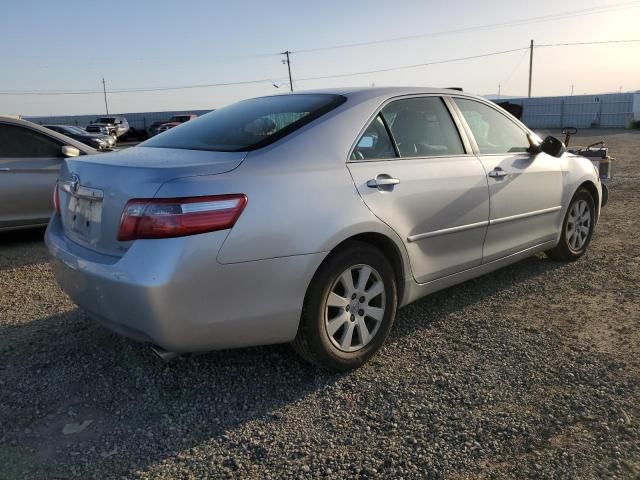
x=249 y=124
x=20 y=142
x=493 y=132
x=422 y=127
x=374 y=143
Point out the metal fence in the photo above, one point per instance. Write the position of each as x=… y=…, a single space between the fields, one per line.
x=611 y=110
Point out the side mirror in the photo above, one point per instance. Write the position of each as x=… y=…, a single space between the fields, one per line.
x=68 y=151
x=552 y=146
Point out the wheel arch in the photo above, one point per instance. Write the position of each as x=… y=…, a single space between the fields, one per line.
x=389 y=249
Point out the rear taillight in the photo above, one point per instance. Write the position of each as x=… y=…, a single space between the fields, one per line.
x=56 y=199
x=177 y=217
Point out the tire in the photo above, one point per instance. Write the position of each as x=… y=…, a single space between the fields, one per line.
x=571 y=248
x=325 y=309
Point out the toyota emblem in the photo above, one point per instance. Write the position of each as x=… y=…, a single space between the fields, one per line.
x=75 y=183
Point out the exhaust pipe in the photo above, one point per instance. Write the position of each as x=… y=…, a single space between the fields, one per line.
x=163 y=354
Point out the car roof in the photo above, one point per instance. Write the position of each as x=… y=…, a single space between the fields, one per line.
x=366 y=93
x=50 y=133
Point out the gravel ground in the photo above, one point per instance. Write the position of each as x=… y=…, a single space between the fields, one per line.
x=531 y=371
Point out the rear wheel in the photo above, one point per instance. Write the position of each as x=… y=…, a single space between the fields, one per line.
x=577 y=228
x=348 y=310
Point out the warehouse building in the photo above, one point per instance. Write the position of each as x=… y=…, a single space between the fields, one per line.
x=609 y=110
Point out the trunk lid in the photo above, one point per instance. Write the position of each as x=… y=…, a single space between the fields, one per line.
x=94 y=189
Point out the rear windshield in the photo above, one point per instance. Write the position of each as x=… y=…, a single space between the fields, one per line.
x=249 y=124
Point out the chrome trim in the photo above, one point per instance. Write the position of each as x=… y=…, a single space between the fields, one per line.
x=446 y=231
x=82 y=192
x=520 y=216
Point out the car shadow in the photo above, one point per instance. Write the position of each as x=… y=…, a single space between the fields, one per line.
x=20 y=248
x=65 y=368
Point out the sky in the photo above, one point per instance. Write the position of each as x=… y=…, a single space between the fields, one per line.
x=71 y=45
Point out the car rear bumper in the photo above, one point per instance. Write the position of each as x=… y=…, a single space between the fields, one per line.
x=175 y=294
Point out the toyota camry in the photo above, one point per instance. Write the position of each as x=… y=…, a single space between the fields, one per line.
x=311 y=217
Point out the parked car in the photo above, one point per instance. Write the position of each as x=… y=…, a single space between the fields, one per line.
x=175 y=121
x=310 y=217
x=114 y=126
x=153 y=128
x=134 y=134
x=163 y=126
x=30 y=159
x=95 y=140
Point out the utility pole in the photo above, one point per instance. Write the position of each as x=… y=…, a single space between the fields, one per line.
x=572 y=89
x=530 y=66
x=499 y=91
x=104 y=90
x=288 y=62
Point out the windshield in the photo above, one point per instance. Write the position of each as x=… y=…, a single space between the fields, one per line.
x=249 y=124
x=105 y=120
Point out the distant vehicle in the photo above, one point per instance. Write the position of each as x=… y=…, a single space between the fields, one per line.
x=114 y=126
x=95 y=140
x=159 y=127
x=213 y=235
x=153 y=128
x=134 y=134
x=30 y=159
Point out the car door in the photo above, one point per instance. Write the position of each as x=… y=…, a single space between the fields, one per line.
x=416 y=173
x=525 y=189
x=29 y=166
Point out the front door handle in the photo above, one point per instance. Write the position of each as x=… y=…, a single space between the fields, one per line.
x=497 y=173
x=382 y=181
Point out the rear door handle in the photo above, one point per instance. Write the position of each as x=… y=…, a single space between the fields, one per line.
x=382 y=181
x=497 y=173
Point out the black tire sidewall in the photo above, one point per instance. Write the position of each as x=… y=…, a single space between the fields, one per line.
x=318 y=340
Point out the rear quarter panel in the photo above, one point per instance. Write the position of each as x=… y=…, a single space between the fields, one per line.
x=301 y=197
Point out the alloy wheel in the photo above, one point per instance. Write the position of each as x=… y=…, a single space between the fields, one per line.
x=578 y=225
x=355 y=308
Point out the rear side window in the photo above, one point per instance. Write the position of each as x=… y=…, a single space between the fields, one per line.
x=493 y=131
x=422 y=127
x=20 y=142
x=374 y=143
x=249 y=124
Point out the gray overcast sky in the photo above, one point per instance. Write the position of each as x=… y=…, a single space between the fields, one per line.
x=70 y=45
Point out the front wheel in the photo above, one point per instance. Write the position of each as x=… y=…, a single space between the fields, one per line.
x=577 y=228
x=348 y=310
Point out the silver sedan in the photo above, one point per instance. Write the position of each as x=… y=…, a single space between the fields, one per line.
x=30 y=159
x=311 y=217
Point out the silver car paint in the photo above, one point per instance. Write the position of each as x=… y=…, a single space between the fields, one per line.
x=26 y=184
x=190 y=293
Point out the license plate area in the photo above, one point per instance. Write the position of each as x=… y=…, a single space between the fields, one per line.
x=83 y=216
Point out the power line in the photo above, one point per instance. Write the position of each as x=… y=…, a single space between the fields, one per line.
x=415 y=65
x=323 y=77
x=522 y=21
x=134 y=90
x=571 y=44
